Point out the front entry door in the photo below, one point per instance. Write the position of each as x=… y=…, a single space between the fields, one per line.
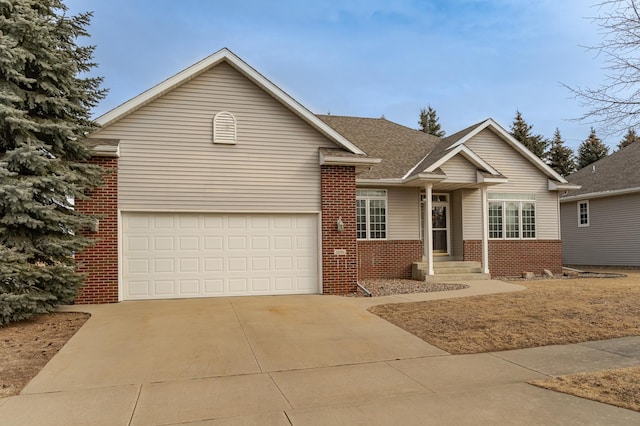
x=439 y=222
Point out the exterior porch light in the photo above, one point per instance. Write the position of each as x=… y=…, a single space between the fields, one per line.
x=340 y=224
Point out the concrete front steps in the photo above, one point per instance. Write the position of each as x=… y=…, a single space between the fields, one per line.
x=448 y=269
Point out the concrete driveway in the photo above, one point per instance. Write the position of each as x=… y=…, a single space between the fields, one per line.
x=298 y=360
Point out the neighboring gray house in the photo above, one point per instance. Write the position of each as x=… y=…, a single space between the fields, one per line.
x=601 y=221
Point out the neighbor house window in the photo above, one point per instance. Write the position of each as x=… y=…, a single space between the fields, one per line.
x=512 y=216
x=583 y=213
x=371 y=214
x=224 y=128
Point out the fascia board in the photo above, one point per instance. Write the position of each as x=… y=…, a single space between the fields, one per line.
x=525 y=152
x=348 y=161
x=469 y=155
x=601 y=194
x=373 y=182
x=106 y=150
x=556 y=186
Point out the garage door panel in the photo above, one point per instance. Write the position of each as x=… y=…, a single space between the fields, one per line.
x=206 y=255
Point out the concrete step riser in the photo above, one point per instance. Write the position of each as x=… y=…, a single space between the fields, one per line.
x=419 y=272
x=447 y=271
x=448 y=265
x=457 y=277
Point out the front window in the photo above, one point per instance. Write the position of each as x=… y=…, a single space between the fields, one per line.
x=371 y=214
x=512 y=216
x=583 y=213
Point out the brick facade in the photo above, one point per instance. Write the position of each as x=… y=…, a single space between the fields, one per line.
x=339 y=272
x=100 y=262
x=387 y=258
x=511 y=258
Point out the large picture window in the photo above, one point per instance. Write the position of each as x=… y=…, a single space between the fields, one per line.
x=371 y=214
x=512 y=216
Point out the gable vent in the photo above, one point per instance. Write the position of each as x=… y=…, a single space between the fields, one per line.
x=224 y=128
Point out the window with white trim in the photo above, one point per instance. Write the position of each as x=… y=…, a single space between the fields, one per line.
x=371 y=214
x=583 y=213
x=224 y=128
x=512 y=216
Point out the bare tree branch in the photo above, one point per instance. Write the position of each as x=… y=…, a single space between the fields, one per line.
x=615 y=105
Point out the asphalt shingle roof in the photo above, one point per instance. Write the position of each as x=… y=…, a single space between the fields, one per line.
x=399 y=147
x=618 y=171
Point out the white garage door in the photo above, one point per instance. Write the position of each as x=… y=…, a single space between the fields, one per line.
x=206 y=255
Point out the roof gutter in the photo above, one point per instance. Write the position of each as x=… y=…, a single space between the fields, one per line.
x=329 y=160
x=558 y=186
x=601 y=194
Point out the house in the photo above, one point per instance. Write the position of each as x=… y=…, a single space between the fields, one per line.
x=219 y=183
x=601 y=220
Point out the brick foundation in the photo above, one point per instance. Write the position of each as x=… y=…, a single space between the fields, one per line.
x=511 y=258
x=339 y=272
x=387 y=259
x=100 y=262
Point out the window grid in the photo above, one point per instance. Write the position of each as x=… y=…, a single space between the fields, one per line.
x=514 y=217
x=528 y=220
x=361 y=219
x=371 y=214
x=512 y=221
x=583 y=213
x=495 y=220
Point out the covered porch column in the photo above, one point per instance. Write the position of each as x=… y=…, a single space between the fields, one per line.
x=427 y=238
x=485 y=229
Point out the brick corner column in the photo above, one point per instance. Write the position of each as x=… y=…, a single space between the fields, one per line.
x=100 y=261
x=339 y=248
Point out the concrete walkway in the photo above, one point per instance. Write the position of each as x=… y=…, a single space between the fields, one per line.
x=301 y=360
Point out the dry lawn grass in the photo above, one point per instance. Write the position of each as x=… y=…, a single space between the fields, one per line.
x=615 y=387
x=549 y=312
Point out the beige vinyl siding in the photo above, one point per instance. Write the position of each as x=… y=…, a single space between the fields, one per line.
x=472 y=211
x=613 y=234
x=523 y=177
x=403 y=211
x=169 y=162
x=459 y=169
x=456 y=223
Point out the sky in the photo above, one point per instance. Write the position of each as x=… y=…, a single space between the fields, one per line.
x=468 y=59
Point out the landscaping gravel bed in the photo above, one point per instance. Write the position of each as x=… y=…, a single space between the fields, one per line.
x=386 y=287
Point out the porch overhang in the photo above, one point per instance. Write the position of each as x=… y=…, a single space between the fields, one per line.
x=438 y=180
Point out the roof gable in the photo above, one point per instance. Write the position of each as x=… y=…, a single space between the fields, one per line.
x=465 y=135
x=225 y=55
x=617 y=173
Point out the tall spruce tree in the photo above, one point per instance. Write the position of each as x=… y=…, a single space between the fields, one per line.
x=591 y=150
x=560 y=157
x=429 y=122
x=522 y=132
x=630 y=137
x=45 y=103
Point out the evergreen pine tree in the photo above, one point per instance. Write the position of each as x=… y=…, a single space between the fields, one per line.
x=630 y=137
x=522 y=132
x=429 y=122
x=560 y=157
x=45 y=105
x=591 y=150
